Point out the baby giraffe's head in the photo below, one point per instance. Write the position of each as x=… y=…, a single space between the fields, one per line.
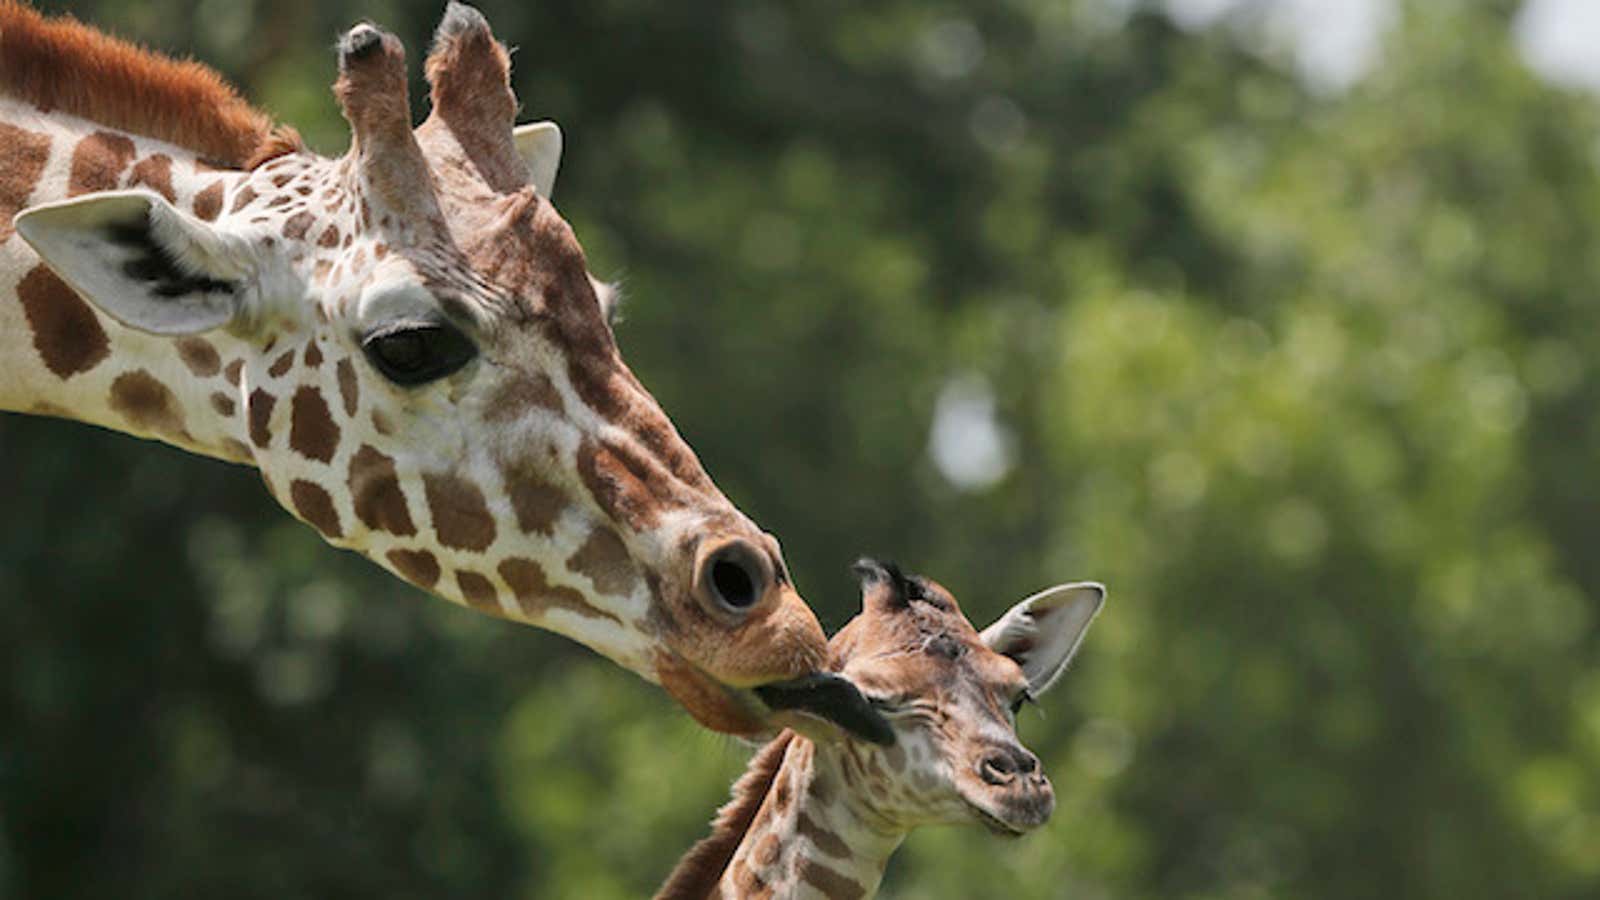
x=951 y=695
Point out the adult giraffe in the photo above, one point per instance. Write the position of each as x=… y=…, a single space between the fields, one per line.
x=406 y=341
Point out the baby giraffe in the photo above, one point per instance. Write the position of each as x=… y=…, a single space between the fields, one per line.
x=820 y=818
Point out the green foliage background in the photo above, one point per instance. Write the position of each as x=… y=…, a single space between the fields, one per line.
x=1304 y=377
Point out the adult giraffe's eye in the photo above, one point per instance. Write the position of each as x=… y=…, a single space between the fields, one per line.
x=412 y=353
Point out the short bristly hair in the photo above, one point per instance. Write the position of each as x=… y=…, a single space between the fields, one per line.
x=700 y=870
x=127 y=87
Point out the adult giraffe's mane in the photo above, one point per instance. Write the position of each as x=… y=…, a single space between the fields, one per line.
x=698 y=872
x=60 y=64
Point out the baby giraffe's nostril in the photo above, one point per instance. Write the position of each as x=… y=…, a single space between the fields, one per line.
x=998 y=768
x=1028 y=763
x=1004 y=765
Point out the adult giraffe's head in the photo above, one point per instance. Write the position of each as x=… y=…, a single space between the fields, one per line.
x=415 y=354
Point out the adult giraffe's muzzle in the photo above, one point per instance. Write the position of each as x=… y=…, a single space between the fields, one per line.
x=763 y=709
x=832 y=698
x=748 y=656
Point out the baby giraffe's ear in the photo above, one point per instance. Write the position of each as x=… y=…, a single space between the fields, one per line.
x=139 y=260
x=1043 y=632
x=539 y=145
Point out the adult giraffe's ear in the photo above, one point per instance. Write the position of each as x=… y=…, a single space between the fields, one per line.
x=1043 y=632
x=139 y=260
x=539 y=145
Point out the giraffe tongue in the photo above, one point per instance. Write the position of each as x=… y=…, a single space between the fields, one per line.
x=833 y=698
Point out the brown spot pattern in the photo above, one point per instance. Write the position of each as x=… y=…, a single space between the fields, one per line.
x=97 y=163
x=375 y=490
x=330 y=237
x=208 y=202
x=66 y=332
x=146 y=404
x=261 y=404
x=313 y=355
x=630 y=488
x=822 y=839
x=781 y=795
x=232 y=372
x=479 y=591
x=280 y=366
x=833 y=885
x=520 y=393
x=766 y=852
x=155 y=173
x=296 y=226
x=243 y=198
x=313 y=504
x=198 y=354
x=750 y=884
x=348 y=392
x=223 y=404
x=460 y=516
x=536 y=502
x=26 y=153
x=416 y=566
x=312 y=432
x=535 y=594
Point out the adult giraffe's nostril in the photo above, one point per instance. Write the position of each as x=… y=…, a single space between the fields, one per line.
x=733 y=583
x=734 y=578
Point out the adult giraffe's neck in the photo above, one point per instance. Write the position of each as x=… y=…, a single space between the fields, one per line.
x=809 y=834
x=61 y=357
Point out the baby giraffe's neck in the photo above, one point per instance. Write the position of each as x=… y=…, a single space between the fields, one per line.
x=807 y=834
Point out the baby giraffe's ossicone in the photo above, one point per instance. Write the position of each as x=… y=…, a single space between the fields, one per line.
x=820 y=816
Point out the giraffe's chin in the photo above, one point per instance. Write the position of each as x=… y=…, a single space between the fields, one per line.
x=715 y=705
x=996 y=825
x=1012 y=813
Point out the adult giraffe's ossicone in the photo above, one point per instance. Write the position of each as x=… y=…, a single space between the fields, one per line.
x=405 y=340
